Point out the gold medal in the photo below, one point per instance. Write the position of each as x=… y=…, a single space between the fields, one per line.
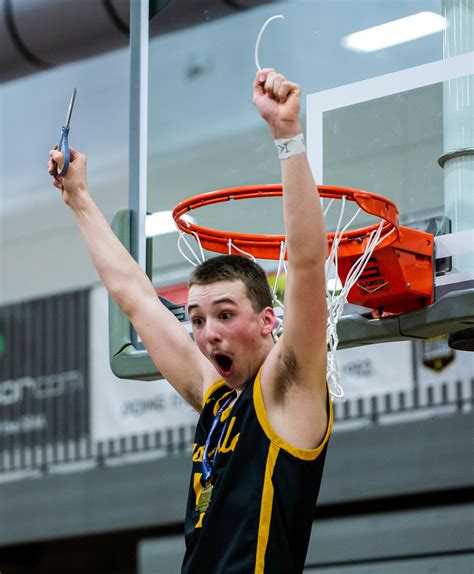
x=205 y=498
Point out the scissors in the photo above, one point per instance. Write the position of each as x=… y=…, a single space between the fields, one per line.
x=63 y=145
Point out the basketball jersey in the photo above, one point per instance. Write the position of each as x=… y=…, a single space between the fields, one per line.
x=262 y=506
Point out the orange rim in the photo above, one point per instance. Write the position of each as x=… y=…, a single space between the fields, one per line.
x=268 y=246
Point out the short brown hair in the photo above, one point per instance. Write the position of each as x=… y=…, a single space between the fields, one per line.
x=232 y=268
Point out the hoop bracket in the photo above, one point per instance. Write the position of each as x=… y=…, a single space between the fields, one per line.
x=398 y=278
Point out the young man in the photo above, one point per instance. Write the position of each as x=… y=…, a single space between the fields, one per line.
x=265 y=411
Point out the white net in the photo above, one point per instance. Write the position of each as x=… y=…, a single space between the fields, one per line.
x=336 y=293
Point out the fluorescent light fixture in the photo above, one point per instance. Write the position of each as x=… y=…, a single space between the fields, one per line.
x=395 y=32
x=161 y=222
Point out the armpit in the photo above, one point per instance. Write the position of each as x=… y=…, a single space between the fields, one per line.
x=288 y=374
x=190 y=395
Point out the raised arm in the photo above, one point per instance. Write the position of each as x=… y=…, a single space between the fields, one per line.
x=294 y=375
x=163 y=336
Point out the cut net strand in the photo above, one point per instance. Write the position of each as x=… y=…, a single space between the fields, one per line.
x=259 y=37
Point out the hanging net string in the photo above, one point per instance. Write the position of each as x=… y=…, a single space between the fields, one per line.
x=232 y=245
x=259 y=37
x=336 y=302
x=281 y=272
x=198 y=258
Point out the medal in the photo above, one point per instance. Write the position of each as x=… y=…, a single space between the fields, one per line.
x=206 y=493
x=205 y=498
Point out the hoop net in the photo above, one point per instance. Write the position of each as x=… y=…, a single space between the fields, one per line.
x=359 y=244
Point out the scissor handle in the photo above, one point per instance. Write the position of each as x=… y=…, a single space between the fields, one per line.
x=63 y=147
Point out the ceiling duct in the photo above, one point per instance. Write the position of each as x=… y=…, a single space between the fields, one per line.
x=36 y=35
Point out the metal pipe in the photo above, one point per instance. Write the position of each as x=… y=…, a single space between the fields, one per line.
x=36 y=35
x=458 y=158
x=458 y=123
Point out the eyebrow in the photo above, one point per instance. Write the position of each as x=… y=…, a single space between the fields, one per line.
x=216 y=302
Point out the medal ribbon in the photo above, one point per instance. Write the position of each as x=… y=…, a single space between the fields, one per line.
x=206 y=463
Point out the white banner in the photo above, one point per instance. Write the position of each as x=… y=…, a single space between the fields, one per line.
x=402 y=366
x=121 y=407
x=376 y=369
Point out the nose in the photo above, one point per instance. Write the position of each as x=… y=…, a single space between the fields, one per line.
x=213 y=334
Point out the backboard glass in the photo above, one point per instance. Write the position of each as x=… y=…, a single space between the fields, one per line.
x=202 y=132
x=386 y=135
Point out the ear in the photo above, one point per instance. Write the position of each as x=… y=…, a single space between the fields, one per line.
x=268 y=321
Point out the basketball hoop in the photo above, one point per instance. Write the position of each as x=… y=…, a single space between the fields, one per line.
x=384 y=267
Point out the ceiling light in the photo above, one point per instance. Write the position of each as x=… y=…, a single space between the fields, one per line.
x=161 y=222
x=395 y=32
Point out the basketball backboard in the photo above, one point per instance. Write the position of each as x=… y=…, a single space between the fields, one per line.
x=394 y=134
x=194 y=129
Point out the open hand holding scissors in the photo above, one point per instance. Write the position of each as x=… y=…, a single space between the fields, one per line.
x=63 y=145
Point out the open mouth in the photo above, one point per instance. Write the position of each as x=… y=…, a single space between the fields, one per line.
x=224 y=363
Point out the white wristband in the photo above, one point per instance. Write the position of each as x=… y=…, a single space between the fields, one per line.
x=287 y=147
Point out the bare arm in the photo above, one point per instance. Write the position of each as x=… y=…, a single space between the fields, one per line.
x=295 y=371
x=165 y=339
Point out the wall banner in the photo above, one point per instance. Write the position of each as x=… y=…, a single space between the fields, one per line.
x=44 y=371
x=376 y=369
x=437 y=363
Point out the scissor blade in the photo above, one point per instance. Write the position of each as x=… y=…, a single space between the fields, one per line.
x=71 y=105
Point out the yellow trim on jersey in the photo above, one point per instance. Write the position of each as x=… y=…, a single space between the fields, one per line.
x=197 y=486
x=217 y=406
x=211 y=389
x=304 y=454
x=198 y=491
x=199 y=522
x=266 y=509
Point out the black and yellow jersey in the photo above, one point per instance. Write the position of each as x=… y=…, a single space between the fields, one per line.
x=264 y=491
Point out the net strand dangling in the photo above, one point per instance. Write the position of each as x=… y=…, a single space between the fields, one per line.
x=337 y=301
x=196 y=261
x=232 y=245
x=281 y=271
